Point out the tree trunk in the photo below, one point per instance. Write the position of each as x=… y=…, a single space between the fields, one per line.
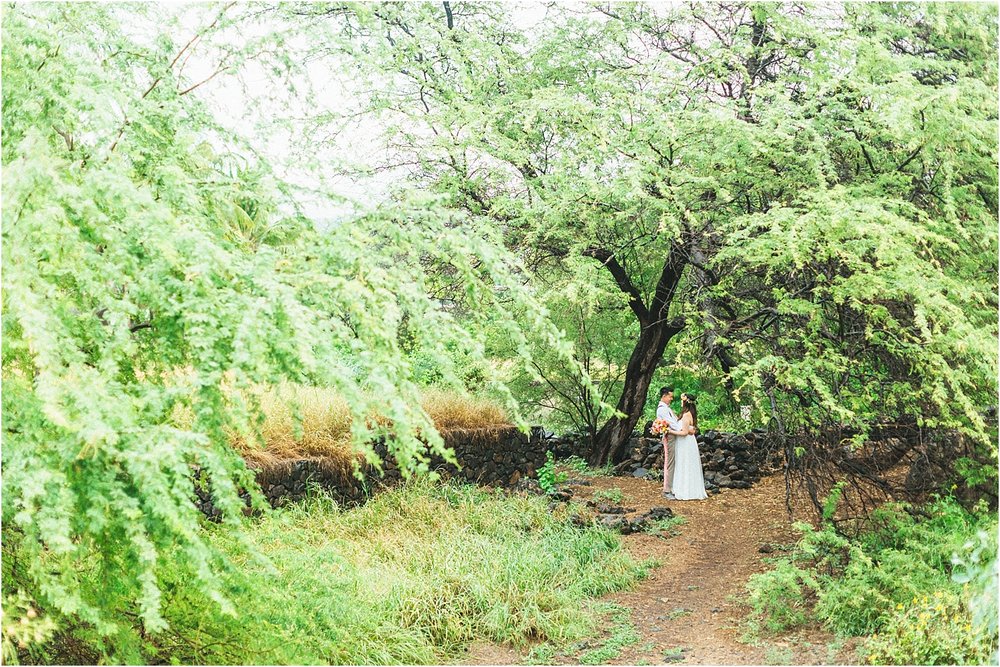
x=609 y=443
x=654 y=334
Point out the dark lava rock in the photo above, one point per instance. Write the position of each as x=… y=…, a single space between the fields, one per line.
x=529 y=486
x=562 y=495
x=640 y=472
x=657 y=513
x=604 y=508
x=765 y=549
x=615 y=522
x=637 y=524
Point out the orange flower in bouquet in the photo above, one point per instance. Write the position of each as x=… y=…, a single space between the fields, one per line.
x=659 y=427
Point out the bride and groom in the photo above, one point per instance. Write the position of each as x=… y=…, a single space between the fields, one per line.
x=682 y=475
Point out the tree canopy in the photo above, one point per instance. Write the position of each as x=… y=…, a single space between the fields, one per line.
x=804 y=196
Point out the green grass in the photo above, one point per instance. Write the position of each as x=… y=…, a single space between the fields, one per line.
x=623 y=633
x=611 y=495
x=578 y=466
x=666 y=527
x=543 y=654
x=412 y=577
x=778 y=655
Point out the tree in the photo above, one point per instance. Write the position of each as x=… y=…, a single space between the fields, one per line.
x=129 y=300
x=671 y=147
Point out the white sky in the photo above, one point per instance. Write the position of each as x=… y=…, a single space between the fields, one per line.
x=239 y=104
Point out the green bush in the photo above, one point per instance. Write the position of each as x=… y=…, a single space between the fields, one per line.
x=934 y=630
x=411 y=577
x=893 y=582
x=778 y=597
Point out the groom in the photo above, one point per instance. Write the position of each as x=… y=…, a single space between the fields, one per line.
x=665 y=412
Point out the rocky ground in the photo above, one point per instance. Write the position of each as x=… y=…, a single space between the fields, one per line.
x=690 y=609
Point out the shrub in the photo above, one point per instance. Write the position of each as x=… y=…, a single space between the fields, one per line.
x=548 y=478
x=778 y=597
x=893 y=582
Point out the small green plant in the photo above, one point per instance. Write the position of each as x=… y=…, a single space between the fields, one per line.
x=675 y=654
x=777 y=598
x=665 y=527
x=576 y=464
x=613 y=495
x=623 y=634
x=778 y=655
x=543 y=654
x=579 y=466
x=548 y=478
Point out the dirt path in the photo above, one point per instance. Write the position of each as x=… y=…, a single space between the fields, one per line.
x=690 y=608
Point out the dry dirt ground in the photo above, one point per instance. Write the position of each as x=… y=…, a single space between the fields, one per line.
x=689 y=610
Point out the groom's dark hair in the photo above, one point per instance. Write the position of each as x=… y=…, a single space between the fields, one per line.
x=666 y=390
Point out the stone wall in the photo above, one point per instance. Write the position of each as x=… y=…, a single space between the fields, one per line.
x=729 y=460
x=497 y=457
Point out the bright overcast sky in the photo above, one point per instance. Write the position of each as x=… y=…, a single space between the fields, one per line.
x=239 y=104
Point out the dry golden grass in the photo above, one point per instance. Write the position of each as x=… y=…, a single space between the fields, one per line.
x=324 y=431
x=451 y=411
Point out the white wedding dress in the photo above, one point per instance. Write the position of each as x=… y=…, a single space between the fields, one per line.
x=689 y=482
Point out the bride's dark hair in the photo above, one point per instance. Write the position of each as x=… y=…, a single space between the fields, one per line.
x=688 y=405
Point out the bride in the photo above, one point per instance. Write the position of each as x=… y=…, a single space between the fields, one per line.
x=689 y=482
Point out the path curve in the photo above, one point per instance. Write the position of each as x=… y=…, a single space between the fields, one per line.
x=689 y=610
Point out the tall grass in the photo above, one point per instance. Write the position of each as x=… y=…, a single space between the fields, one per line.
x=306 y=422
x=412 y=577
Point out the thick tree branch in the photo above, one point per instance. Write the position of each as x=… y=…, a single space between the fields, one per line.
x=670 y=277
x=607 y=258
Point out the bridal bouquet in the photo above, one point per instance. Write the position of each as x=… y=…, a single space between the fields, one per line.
x=659 y=427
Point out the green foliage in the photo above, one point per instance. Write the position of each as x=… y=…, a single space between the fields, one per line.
x=613 y=495
x=936 y=630
x=891 y=583
x=412 y=577
x=778 y=655
x=666 y=527
x=144 y=277
x=976 y=568
x=623 y=633
x=832 y=231
x=548 y=477
x=578 y=466
x=831 y=234
x=778 y=597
